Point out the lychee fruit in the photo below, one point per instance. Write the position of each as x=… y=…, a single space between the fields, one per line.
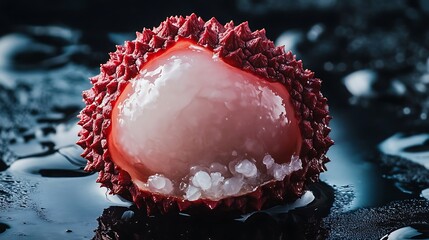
x=196 y=117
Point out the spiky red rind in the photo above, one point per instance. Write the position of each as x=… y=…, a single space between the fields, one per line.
x=237 y=46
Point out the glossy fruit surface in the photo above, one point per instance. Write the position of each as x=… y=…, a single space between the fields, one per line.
x=189 y=94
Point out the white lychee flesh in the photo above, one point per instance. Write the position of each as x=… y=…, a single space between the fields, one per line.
x=187 y=109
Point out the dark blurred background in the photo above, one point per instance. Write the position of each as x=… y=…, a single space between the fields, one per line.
x=388 y=41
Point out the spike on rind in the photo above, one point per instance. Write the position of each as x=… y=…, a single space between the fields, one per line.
x=239 y=47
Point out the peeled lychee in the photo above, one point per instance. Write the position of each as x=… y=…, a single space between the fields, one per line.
x=193 y=116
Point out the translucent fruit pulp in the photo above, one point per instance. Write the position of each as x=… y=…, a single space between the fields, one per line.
x=187 y=108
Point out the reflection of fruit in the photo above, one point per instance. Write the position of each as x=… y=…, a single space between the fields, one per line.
x=243 y=128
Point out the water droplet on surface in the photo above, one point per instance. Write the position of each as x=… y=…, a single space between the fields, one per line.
x=360 y=83
x=328 y=66
x=425 y=193
x=414 y=231
x=67 y=163
x=398 y=88
x=406 y=110
x=315 y=31
x=414 y=147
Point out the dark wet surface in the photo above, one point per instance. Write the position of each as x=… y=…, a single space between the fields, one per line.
x=372 y=56
x=127 y=223
x=413 y=231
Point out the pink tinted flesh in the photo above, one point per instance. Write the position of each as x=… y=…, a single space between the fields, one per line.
x=189 y=108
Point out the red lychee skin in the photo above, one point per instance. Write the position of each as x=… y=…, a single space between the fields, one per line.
x=239 y=47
